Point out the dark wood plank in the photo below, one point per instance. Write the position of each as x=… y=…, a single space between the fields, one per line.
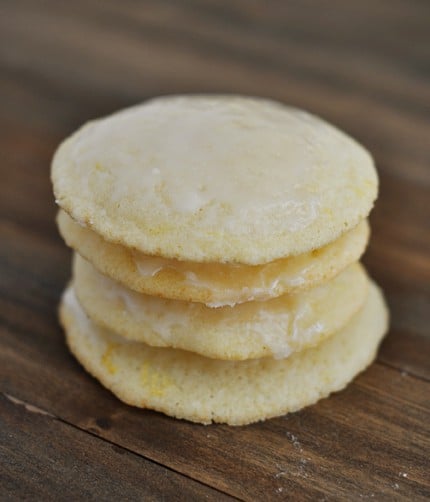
x=362 y=65
x=43 y=458
x=407 y=351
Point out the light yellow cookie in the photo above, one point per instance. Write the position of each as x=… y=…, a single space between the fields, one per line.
x=186 y=385
x=275 y=327
x=213 y=283
x=215 y=179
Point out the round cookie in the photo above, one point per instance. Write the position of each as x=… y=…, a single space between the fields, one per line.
x=215 y=284
x=276 y=327
x=215 y=179
x=189 y=386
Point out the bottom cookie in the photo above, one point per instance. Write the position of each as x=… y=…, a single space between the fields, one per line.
x=189 y=386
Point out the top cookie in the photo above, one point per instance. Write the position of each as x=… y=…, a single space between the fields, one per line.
x=215 y=178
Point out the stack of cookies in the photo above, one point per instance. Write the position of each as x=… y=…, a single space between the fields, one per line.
x=217 y=240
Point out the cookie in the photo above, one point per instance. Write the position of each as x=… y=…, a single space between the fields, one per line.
x=275 y=328
x=215 y=284
x=189 y=386
x=215 y=179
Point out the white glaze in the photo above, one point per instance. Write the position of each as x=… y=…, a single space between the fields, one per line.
x=70 y=301
x=148 y=266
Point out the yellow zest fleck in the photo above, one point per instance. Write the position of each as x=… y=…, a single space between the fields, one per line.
x=107 y=359
x=155 y=382
x=99 y=167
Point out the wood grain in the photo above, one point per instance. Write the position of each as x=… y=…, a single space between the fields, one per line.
x=362 y=65
x=44 y=458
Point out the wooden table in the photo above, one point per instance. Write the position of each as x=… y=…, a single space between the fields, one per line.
x=362 y=65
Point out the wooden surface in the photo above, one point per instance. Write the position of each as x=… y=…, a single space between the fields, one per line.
x=363 y=65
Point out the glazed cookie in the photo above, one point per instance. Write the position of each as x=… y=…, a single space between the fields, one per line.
x=215 y=179
x=215 y=284
x=275 y=328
